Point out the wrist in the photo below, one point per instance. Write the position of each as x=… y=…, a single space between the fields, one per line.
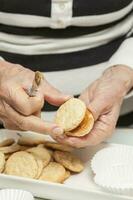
x=121 y=73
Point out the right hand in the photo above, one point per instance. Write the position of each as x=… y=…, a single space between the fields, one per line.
x=18 y=111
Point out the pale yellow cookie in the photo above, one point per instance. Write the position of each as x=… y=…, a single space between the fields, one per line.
x=69 y=161
x=7 y=156
x=67 y=175
x=41 y=153
x=10 y=149
x=57 y=146
x=24 y=148
x=2 y=162
x=22 y=164
x=54 y=172
x=70 y=114
x=28 y=141
x=40 y=167
x=85 y=126
x=40 y=145
x=50 y=151
x=7 y=142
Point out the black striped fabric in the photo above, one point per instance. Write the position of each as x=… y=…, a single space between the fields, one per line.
x=65 y=61
x=30 y=7
x=125 y=120
x=69 y=32
x=94 y=7
x=80 y=7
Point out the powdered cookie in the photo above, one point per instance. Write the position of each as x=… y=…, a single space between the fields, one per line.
x=54 y=172
x=70 y=114
x=2 y=162
x=69 y=161
x=58 y=146
x=28 y=141
x=85 y=126
x=7 y=142
x=10 y=149
x=41 y=153
x=22 y=164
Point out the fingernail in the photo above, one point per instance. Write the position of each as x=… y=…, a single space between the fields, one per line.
x=57 y=131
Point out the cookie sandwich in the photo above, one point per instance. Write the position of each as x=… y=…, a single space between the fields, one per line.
x=74 y=117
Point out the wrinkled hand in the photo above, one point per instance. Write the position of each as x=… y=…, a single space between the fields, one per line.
x=103 y=98
x=19 y=111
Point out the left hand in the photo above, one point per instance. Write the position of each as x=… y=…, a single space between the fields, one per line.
x=18 y=111
x=103 y=98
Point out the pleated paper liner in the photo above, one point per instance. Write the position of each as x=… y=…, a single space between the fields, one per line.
x=118 y=155
x=113 y=169
x=13 y=194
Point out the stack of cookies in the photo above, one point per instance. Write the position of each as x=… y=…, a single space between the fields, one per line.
x=38 y=159
x=74 y=117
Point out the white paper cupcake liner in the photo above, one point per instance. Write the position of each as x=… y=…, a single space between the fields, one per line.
x=113 y=168
x=119 y=155
x=118 y=174
x=13 y=194
x=115 y=184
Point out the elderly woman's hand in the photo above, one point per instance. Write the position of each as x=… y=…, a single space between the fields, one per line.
x=19 y=111
x=103 y=98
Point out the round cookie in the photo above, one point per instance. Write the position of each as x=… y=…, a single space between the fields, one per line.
x=2 y=161
x=54 y=172
x=85 y=126
x=69 y=161
x=70 y=114
x=40 y=167
x=7 y=142
x=7 y=156
x=67 y=175
x=41 y=153
x=10 y=149
x=22 y=164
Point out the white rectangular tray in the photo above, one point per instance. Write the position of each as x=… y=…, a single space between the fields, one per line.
x=79 y=187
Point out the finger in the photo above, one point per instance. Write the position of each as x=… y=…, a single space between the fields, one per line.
x=85 y=97
x=103 y=128
x=10 y=125
x=54 y=96
x=72 y=141
x=98 y=107
x=37 y=114
x=32 y=123
x=88 y=93
x=20 y=101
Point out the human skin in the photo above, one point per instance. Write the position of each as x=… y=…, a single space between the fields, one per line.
x=18 y=111
x=103 y=98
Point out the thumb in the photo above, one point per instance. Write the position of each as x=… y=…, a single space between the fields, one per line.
x=97 y=107
x=53 y=95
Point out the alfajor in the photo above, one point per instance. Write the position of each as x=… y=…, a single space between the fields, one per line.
x=74 y=117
